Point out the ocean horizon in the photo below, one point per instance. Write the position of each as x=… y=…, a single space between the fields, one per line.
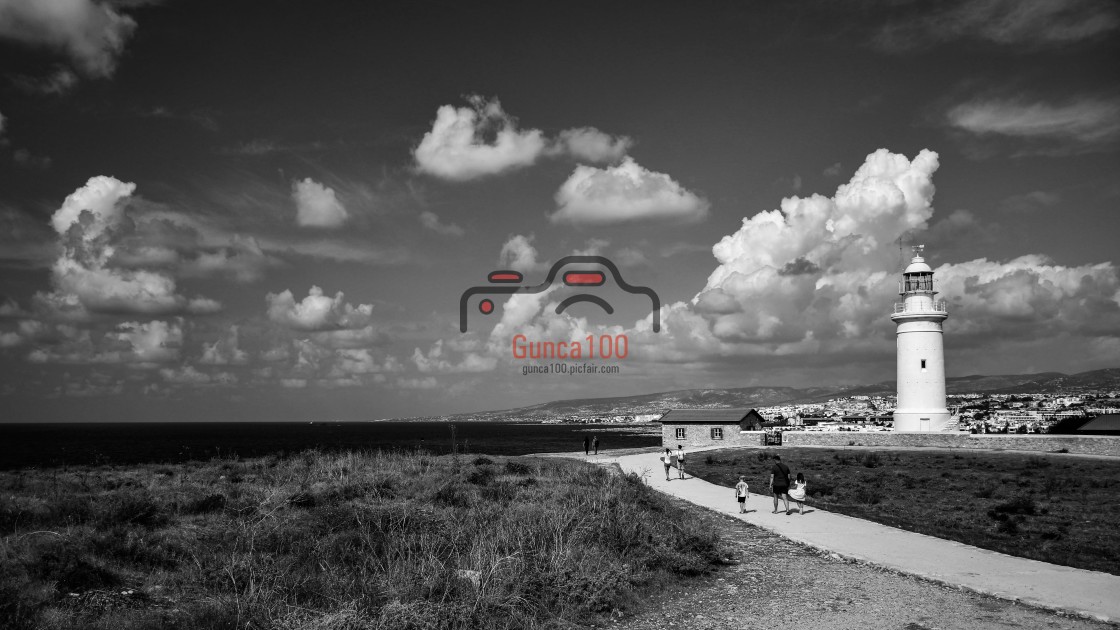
x=125 y=443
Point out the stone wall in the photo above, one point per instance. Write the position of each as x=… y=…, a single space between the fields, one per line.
x=1080 y=444
x=699 y=435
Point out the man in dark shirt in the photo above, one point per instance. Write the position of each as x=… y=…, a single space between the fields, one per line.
x=779 y=482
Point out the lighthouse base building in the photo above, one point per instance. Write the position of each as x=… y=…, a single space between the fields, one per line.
x=920 y=352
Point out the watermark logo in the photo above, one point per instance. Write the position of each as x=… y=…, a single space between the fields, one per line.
x=577 y=272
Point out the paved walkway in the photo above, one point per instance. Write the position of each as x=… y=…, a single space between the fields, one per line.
x=1086 y=593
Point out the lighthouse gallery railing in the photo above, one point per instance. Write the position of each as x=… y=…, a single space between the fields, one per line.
x=937 y=306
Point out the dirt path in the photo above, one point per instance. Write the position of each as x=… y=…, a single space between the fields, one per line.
x=782 y=584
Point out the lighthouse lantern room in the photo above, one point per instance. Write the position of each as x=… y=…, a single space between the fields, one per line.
x=920 y=351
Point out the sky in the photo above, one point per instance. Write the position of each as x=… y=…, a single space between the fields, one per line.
x=215 y=211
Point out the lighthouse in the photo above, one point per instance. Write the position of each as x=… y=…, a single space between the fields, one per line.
x=920 y=351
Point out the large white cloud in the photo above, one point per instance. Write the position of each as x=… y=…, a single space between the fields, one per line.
x=814 y=280
x=92 y=34
x=317 y=205
x=624 y=193
x=457 y=147
x=317 y=312
x=86 y=279
x=482 y=139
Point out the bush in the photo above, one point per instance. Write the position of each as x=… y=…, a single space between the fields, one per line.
x=518 y=468
x=482 y=461
x=872 y=460
x=481 y=476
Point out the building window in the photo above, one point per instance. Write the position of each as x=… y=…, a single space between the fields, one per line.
x=717 y=433
x=923 y=365
x=680 y=433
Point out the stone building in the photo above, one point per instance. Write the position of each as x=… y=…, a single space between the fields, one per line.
x=700 y=428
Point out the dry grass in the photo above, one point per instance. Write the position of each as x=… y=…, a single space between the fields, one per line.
x=336 y=541
x=1054 y=508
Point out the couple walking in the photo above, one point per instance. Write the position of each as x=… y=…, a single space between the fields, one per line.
x=667 y=460
x=780 y=486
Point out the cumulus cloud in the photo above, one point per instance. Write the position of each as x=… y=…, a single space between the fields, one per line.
x=816 y=278
x=588 y=144
x=1028 y=25
x=519 y=254
x=140 y=344
x=317 y=205
x=470 y=142
x=431 y=221
x=624 y=193
x=92 y=34
x=317 y=312
x=436 y=360
x=90 y=223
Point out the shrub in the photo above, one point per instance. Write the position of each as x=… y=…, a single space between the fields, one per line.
x=518 y=468
x=481 y=476
x=453 y=494
x=482 y=461
x=872 y=460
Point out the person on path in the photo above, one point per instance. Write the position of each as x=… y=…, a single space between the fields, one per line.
x=586 y=445
x=595 y=444
x=680 y=461
x=667 y=459
x=797 y=492
x=779 y=482
x=741 y=494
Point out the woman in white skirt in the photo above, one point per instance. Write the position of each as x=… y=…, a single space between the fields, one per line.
x=797 y=492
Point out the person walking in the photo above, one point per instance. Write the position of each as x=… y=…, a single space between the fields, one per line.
x=595 y=444
x=741 y=494
x=586 y=445
x=797 y=492
x=779 y=482
x=667 y=459
x=680 y=461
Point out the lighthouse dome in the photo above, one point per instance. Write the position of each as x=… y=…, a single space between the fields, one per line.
x=918 y=265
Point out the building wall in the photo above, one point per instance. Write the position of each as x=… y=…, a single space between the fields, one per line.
x=699 y=435
x=1080 y=444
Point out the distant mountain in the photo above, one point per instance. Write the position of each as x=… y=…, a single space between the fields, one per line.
x=1044 y=383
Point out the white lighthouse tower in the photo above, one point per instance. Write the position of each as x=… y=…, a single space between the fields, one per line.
x=921 y=353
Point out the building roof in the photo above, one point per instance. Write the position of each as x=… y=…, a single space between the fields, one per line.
x=708 y=416
x=1107 y=422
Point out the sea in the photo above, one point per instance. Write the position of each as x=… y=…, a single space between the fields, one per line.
x=46 y=445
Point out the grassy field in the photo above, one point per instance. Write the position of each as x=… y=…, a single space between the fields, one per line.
x=339 y=541
x=1054 y=508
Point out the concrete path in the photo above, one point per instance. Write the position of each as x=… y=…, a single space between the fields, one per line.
x=1085 y=593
